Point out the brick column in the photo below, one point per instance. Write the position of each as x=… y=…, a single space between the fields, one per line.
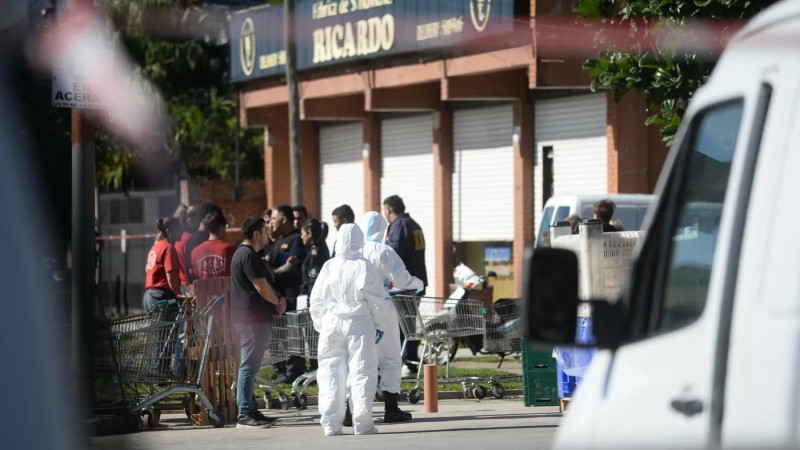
x=309 y=148
x=628 y=144
x=523 y=186
x=276 y=164
x=443 y=200
x=372 y=163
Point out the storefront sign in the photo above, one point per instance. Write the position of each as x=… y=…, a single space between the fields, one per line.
x=496 y=254
x=257 y=48
x=341 y=31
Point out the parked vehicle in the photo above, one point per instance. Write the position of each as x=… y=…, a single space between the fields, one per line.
x=630 y=210
x=703 y=348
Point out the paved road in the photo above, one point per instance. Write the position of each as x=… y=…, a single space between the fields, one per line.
x=459 y=425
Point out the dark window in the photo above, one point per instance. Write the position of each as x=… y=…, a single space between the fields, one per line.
x=135 y=210
x=117 y=216
x=544 y=228
x=547 y=173
x=561 y=213
x=166 y=206
x=697 y=211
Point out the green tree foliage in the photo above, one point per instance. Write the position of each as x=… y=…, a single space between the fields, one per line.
x=190 y=73
x=668 y=76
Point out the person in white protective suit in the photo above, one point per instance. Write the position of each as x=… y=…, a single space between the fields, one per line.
x=347 y=306
x=393 y=270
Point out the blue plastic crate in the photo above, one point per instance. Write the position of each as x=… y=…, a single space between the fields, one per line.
x=566 y=384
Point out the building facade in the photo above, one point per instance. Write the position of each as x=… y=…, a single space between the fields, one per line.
x=472 y=111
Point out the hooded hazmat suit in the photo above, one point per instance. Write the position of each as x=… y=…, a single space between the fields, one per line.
x=347 y=306
x=388 y=262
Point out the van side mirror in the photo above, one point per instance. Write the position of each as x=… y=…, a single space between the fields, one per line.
x=550 y=296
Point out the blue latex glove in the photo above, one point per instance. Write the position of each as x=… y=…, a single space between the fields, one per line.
x=378 y=336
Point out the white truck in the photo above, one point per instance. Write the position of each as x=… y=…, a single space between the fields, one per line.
x=630 y=210
x=703 y=348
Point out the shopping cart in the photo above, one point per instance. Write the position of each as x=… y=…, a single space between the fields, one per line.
x=303 y=341
x=277 y=351
x=163 y=354
x=438 y=322
x=502 y=337
x=107 y=361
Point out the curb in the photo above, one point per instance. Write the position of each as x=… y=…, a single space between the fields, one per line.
x=275 y=402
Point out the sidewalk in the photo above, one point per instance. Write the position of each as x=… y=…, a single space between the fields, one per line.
x=459 y=424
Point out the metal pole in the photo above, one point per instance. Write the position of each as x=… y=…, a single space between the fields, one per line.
x=294 y=102
x=83 y=175
x=237 y=189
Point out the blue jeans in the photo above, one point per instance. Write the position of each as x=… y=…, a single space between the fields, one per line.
x=171 y=339
x=253 y=339
x=153 y=296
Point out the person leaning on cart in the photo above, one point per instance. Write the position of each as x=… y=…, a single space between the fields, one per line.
x=162 y=281
x=253 y=305
x=406 y=238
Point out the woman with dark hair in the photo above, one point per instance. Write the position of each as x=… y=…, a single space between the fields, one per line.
x=316 y=254
x=162 y=279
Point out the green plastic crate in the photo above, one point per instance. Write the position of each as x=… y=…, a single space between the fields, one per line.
x=539 y=377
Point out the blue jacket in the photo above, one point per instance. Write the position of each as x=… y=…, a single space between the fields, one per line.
x=406 y=238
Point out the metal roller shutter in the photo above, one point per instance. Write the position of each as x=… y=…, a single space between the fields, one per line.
x=483 y=174
x=575 y=127
x=341 y=170
x=407 y=171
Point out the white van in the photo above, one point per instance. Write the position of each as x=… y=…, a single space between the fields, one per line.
x=630 y=210
x=703 y=348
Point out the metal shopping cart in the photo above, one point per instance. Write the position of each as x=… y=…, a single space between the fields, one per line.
x=108 y=361
x=438 y=322
x=303 y=341
x=162 y=354
x=502 y=336
x=277 y=351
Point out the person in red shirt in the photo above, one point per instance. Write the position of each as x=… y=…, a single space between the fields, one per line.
x=191 y=222
x=212 y=258
x=162 y=280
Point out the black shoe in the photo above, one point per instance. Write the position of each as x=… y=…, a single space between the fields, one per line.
x=393 y=413
x=348 y=418
x=261 y=416
x=396 y=416
x=252 y=420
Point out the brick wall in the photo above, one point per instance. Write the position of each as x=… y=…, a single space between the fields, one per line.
x=252 y=200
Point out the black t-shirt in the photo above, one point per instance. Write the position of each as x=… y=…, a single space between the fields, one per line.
x=247 y=305
x=316 y=255
x=288 y=283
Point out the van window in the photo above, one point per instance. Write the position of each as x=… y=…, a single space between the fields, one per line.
x=544 y=228
x=561 y=213
x=696 y=213
x=627 y=215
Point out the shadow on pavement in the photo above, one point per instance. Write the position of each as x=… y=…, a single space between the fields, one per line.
x=387 y=431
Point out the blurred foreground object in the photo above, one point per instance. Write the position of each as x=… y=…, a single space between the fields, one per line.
x=82 y=47
x=39 y=412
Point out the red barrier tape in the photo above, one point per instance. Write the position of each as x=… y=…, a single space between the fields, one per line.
x=118 y=237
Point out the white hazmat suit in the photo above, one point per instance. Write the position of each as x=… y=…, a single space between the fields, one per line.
x=390 y=360
x=347 y=306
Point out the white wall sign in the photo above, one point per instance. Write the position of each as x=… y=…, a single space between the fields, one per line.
x=71 y=87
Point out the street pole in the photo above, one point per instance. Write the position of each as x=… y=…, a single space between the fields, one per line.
x=83 y=262
x=237 y=189
x=294 y=102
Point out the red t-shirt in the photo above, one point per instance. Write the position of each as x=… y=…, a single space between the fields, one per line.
x=212 y=259
x=161 y=260
x=180 y=248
